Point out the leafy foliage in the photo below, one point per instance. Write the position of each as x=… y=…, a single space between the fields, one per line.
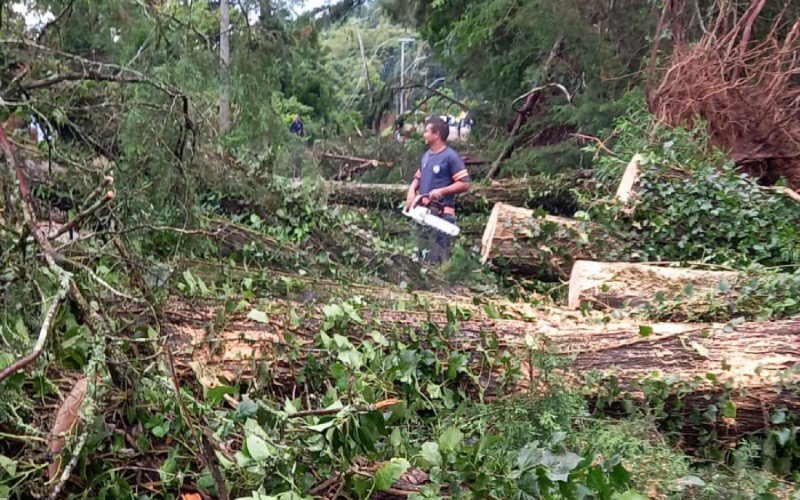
x=363 y=413
x=691 y=201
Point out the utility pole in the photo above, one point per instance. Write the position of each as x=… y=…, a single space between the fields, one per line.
x=363 y=59
x=403 y=42
x=225 y=60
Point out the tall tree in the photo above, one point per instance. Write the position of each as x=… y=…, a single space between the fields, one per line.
x=225 y=61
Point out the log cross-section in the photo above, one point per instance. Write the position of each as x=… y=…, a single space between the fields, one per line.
x=541 y=246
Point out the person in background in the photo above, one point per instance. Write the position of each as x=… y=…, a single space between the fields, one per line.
x=441 y=176
x=297 y=126
x=398 y=131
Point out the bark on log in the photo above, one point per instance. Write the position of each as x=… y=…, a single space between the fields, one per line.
x=615 y=285
x=754 y=365
x=554 y=195
x=543 y=247
x=310 y=290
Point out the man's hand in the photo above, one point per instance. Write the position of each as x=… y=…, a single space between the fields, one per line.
x=436 y=194
x=410 y=199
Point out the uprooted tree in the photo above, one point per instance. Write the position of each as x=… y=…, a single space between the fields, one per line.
x=741 y=79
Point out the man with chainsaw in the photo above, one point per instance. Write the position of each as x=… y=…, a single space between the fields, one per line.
x=440 y=177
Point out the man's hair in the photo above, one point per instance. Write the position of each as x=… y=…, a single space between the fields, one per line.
x=439 y=126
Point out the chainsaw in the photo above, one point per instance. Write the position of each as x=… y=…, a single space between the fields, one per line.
x=423 y=215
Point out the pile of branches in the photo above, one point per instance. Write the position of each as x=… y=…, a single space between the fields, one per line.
x=745 y=88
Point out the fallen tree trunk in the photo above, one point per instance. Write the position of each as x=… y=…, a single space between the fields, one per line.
x=554 y=195
x=751 y=366
x=543 y=247
x=309 y=290
x=615 y=285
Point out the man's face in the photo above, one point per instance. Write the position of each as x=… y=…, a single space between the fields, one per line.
x=429 y=136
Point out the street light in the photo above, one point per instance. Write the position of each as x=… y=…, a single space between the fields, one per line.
x=403 y=42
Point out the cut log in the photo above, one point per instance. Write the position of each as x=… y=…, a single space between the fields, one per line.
x=616 y=285
x=554 y=195
x=541 y=246
x=755 y=365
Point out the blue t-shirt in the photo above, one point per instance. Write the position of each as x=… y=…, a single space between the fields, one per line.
x=438 y=170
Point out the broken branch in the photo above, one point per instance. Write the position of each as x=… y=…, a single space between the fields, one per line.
x=43 y=331
x=70 y=225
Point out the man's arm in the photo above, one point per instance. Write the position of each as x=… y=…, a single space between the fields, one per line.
x=412 y=193
x=454 y=188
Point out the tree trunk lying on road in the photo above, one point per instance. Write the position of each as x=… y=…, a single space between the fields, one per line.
x=552 y=194
x=542 y=247
x=752 y=365
x=615 y=285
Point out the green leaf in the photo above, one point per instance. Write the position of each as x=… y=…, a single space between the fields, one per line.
x=214 y=395
x=778 y=417
x=258 y=316
x=456 y=364
x=323 y=426
x=783 y=436
x=528 y=485
x=350 y=358
x=724 y=286
x=691 y=480
x=187 y=276
x=161 y=430
x=729 y=410
x=9 y=465
x=246 y=408
x=332 y=311
x=430 y=453
x=258 y=448
x=342 y=342
x=450 y=440
x=396 y=438
x=390 y=472
x=379 y=338
x=22 y=330
x=629 y=495
x=645 y=330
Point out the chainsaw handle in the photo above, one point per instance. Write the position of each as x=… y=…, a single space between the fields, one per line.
x=431 y=201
